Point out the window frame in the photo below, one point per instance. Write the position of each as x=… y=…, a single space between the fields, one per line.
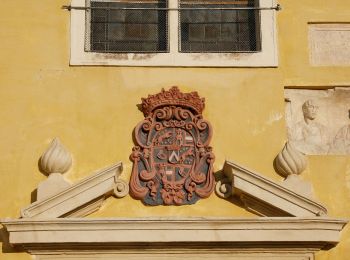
x=267 y=57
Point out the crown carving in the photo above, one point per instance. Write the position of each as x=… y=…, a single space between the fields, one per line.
x=173 y=97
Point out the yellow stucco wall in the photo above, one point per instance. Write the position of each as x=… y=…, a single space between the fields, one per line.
x=93 y=110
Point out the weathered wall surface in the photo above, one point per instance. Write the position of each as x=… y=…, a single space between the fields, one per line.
x=93 y=110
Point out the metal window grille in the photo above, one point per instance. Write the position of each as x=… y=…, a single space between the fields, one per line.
x=127 y=26
x=123 y=26
x=216 y=26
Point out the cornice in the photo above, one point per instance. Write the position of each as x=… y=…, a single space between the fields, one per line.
x=283 y=232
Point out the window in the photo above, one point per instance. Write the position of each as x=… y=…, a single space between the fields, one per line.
x=217 y=33
x=127 y=26
x=215 y=26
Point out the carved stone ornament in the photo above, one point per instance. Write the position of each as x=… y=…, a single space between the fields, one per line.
x=172 y=159
x=318 y=121
x=290 y=161
x=56 y=159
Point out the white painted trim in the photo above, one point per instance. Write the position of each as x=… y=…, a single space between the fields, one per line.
x=268 y=57
x=266 y=197
x=80 y=199
x=173 y=21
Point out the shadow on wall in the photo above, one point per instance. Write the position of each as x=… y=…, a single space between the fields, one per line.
x=33 y=196
x=6 y=247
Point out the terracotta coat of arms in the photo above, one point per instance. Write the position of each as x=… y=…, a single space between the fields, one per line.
x=172 y=159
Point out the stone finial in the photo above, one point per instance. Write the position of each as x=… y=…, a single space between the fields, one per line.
x=290 y=161
x=56 y=159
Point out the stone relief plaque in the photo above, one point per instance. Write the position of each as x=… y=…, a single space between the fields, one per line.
x=172 y=159
x=329 y=44
x=318 y=121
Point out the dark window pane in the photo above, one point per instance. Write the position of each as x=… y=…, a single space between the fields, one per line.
x=196 y=32
x=212 y=32
x=214 y=27
x=115 y=28
x=116 y=32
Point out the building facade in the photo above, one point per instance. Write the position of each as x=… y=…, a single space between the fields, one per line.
x=62 y=77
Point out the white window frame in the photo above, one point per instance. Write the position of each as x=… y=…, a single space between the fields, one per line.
x=267 y=57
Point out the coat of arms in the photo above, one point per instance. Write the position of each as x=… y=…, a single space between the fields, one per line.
x=172 y=159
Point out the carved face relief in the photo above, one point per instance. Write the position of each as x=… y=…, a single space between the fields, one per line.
x=172 y=159
x=318 y=120
x=310 y=110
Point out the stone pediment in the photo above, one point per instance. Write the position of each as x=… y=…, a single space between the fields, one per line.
x=50 y=229
x=260 y=195
x=82 y=198
x=265 y=197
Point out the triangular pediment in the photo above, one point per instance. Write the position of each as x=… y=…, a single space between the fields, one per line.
x=52 y=224
x=265 y=197
x=258 y=194
x=81 y=198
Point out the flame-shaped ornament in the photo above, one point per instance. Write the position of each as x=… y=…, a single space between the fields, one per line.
x=56 y=159
x=290 y=161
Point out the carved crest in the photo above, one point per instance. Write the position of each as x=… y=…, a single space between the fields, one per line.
x=172 y=159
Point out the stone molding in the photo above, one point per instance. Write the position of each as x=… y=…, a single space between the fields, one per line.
x=82 y=198
x=53 y=235
x=263 y=196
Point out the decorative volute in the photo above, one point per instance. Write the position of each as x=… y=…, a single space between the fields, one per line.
x=56 y=159
x=121 y=188
x=223 y=188
x=290 y=161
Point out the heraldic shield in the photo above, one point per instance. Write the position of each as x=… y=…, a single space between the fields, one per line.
x=172 y=159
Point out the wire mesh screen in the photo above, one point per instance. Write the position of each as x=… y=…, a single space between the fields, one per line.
x=127 y=26
x=214 y=27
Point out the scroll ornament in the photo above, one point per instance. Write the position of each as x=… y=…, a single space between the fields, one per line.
x=224 y=188
x=172 y=159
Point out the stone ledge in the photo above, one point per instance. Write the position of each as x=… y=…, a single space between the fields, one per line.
x=317 y=233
